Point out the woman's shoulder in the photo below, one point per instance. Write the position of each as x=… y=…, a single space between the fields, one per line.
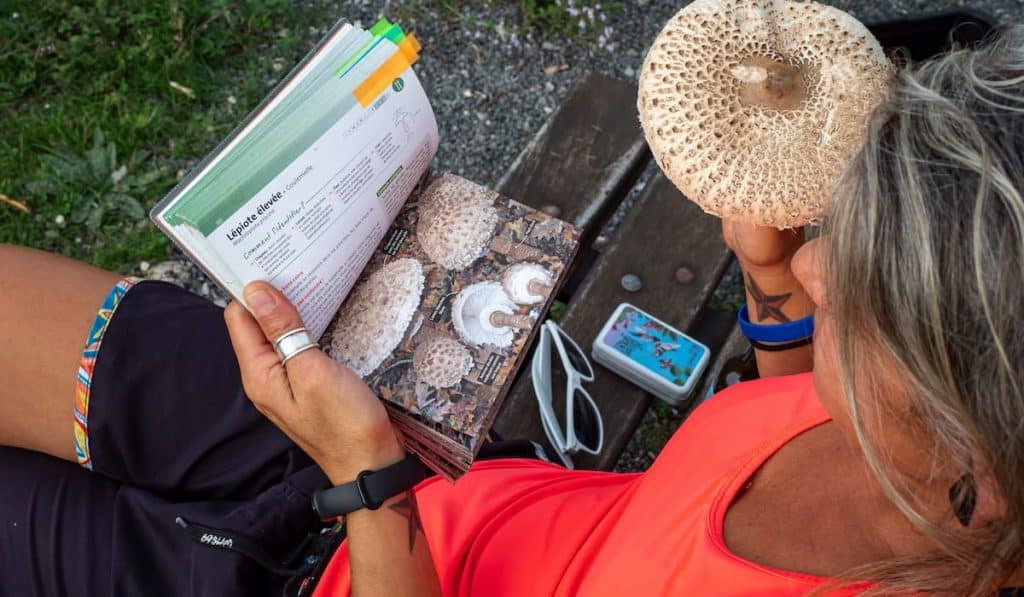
x=668 y=533
x=765 y=402
x=741 y=419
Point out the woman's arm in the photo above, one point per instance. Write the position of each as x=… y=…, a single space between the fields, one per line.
x=330 y=413
x=773 y=294
x=388 y=552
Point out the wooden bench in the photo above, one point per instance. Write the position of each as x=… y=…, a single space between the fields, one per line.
x=584 y=162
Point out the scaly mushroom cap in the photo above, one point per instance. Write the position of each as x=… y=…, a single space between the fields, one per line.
x=372 y=321
x=522 y=282
x=754 y=107
x=442 y=362
x=457 y=219
x=472 y=310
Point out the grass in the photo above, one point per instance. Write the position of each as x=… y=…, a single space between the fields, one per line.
x=578 y=18
x=105 y=105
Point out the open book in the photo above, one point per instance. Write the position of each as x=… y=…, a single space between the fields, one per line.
x=429 y=287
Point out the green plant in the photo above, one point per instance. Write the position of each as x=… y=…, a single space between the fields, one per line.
x=572 y=18
x=726 y=305
x=106 y=186
x=557 y=310
x=165 y=80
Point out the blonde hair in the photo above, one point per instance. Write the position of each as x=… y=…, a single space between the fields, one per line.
x=925 y=273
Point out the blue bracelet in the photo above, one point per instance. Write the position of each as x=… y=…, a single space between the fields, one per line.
x=779 y=332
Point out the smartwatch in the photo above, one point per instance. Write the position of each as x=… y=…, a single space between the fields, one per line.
x=370 y=489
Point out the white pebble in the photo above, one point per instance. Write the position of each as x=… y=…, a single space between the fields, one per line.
x=118 y=175
x=144 y=267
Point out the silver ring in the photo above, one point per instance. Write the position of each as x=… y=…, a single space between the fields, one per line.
x=292 y=343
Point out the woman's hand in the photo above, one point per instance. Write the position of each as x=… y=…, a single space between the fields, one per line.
x=319 y=403
x=762 y=250
x=331 y=414
x=774 y=295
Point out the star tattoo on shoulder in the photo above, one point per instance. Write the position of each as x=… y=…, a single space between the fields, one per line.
x=768 y=305
x=408 y=508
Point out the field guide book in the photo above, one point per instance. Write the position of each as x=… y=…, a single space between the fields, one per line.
x=428 y=286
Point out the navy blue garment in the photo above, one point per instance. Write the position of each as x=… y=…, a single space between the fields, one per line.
x=172 y=436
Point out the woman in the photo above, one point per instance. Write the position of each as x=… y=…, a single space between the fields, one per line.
x=898 y=463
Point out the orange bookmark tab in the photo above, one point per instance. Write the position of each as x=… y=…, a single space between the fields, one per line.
x=410 y=46
x=375 y=84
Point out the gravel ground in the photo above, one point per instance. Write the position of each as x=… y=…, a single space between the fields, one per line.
x=493 y=83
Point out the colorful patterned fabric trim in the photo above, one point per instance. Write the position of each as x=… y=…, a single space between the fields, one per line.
x=83 y=384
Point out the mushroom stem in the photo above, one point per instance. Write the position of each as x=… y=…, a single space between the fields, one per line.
x=751 y=75
x=510 y=320
x=770 y=83
x=539 y=287
x=516 y=250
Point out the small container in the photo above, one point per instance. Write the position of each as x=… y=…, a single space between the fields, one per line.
x=650 y=353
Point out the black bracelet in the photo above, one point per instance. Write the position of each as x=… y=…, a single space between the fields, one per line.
x=780 y=347
x=370 y=489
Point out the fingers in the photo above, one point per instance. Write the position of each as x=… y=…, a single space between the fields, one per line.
x=272 y=310
x=727 y=233
x=276 y=316
x=263 y=378
x=246 y=336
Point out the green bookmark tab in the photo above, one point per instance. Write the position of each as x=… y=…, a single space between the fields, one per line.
x=391 y=32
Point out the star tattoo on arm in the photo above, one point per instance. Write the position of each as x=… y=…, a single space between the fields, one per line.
x=768 y=305
x=408 y=508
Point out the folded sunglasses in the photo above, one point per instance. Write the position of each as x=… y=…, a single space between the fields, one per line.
x=583 y=430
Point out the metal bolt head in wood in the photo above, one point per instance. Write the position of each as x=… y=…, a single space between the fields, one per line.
x=632 y=283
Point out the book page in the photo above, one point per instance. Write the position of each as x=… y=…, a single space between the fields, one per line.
x=439 y=322
x=313 y=227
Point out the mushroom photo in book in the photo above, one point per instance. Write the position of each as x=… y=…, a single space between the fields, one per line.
x=441 y=316
x=438 y=323
x=428 y=288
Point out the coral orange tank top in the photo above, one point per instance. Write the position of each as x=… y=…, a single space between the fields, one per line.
x=522 y=528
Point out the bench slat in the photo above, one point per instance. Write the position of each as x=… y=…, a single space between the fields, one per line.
x=585 y=158
x=660 y=233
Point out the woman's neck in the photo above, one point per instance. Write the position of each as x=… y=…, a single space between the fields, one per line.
x=814 y=507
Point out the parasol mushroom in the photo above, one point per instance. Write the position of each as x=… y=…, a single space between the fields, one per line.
x=457 y=219
x=442 y=362
x=483 y=314
x=754 y=107
x=372 y=321
x=527 y=283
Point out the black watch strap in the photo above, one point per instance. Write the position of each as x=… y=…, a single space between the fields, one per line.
x=370 y=488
